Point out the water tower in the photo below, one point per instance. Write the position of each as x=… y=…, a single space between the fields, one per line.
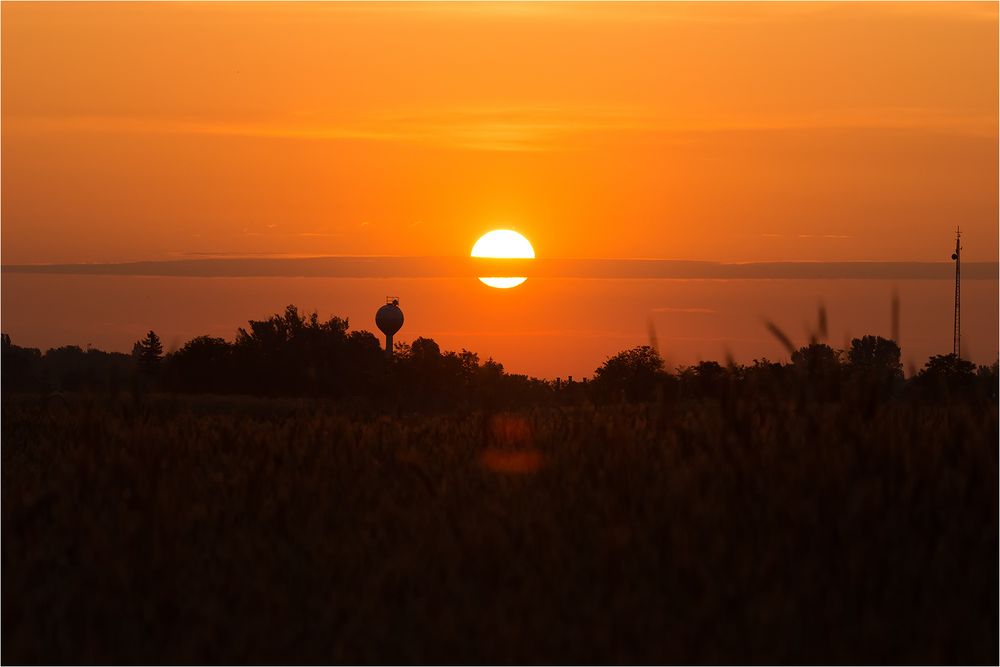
x=389 y=320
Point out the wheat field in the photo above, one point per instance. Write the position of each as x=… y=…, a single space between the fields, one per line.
x=211 y=529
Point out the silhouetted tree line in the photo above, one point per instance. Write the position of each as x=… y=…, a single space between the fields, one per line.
x=868 y=373
x=294 y=355
x=68 y=368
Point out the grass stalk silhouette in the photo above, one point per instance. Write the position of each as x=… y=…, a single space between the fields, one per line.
x=780 y=335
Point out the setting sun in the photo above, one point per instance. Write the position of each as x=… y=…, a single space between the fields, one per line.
x=503 y=244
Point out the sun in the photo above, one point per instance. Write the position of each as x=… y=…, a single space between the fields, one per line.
x=503 y=244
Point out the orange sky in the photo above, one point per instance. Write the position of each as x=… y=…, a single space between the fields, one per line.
x=712 y=131
x=733 y=132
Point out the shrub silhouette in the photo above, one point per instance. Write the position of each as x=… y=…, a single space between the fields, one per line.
x=874 y=369
x=67 y=368
x=21 y=367
x=818 y=368
x=946 y=377
x=706 y=379
x=290 y=354
x=203 y=365
x=632 y=375
x=874 y=355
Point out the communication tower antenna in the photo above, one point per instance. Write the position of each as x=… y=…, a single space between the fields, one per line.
x=957 y=256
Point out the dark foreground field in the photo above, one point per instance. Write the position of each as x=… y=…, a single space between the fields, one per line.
x=230 y=530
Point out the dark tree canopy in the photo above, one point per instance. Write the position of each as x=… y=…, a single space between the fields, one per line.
x=633 y=374
x=201 y=365
x=817 y=359
x=149 y=353
x=875 y=355
x=294 y=354
x=948 y=376
x=819 y=371
x=948 y=366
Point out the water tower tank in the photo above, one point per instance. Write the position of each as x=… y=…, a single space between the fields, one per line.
x=389 y=320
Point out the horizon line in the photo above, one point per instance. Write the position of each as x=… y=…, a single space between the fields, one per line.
x=387 y=266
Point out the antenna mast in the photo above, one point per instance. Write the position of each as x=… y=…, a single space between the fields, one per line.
x=957 y=256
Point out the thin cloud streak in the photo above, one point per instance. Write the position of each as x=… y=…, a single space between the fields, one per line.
x=728 y=13
x=528 y=128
